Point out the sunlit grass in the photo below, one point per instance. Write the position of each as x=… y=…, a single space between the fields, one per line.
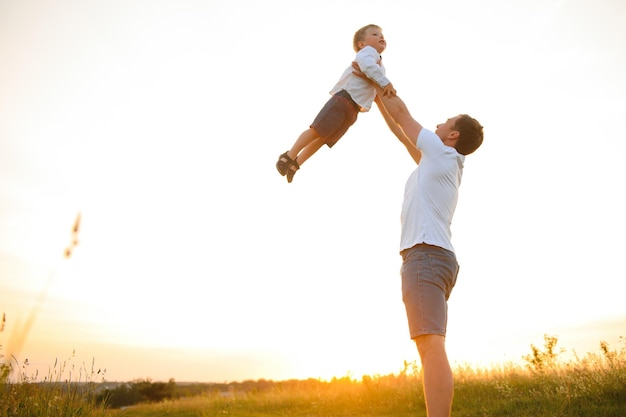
x=592 y=386
x=65 y=391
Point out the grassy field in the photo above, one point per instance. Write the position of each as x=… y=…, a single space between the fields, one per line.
x=66 y=390
x=591 y=386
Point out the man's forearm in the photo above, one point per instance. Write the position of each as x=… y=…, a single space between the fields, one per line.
x=398 y=112
x=391 y=123
x=398 y=132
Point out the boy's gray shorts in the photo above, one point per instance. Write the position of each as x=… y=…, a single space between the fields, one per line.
x=333 y=121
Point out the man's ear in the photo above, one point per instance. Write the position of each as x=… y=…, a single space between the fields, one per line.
x=454 y=135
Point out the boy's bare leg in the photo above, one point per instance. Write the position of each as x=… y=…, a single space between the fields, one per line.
x=302 y=142
x=438 y=381
x=309 y=150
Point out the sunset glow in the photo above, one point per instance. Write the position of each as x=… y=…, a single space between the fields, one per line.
x=160 y=123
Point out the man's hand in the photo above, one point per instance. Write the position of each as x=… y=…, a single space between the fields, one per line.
x=356 y=70
x=387 y=91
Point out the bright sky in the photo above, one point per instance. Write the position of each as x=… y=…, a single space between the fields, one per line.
x=161 y=122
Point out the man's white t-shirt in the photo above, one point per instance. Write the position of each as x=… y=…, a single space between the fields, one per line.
x=431 y=194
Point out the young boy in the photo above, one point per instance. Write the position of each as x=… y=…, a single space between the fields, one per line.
x=350 y=96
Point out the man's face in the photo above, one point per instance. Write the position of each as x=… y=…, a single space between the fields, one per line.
x=446 y=130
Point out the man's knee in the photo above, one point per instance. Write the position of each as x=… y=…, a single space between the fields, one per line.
x=430 y=344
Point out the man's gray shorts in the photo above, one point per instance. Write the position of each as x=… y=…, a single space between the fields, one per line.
x=428 y=276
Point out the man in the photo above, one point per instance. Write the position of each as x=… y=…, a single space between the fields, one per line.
x=429 y=266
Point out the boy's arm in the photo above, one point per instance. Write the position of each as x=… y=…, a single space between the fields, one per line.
x=368 y=62
x=415 y=153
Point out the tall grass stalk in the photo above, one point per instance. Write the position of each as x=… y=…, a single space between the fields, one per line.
x=65 y=391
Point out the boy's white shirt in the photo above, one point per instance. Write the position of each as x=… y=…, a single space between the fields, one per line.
x=360 y=90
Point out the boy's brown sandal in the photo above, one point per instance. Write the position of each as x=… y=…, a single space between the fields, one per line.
x=291 y=170
x=283 y=163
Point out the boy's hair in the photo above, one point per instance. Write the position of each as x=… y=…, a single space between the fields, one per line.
x=359 y=35
x=470 y=134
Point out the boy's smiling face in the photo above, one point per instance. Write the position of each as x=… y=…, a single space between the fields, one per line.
x=374 y=38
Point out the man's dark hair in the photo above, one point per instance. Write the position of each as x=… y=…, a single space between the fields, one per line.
x=470 y=134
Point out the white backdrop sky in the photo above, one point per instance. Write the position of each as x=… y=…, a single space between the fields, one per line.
x=161 y=121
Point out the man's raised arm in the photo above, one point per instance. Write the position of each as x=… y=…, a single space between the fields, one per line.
x=399 y=113
x=396 y=115
x=395 y=128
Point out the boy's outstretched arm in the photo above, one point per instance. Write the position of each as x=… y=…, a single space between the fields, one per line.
x=368 y=63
